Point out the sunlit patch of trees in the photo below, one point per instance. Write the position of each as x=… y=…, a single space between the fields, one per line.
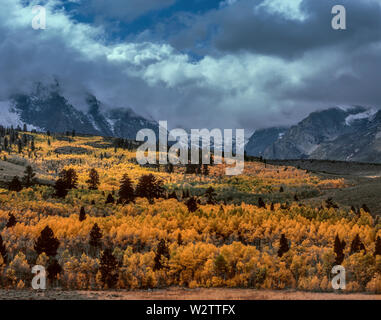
x=159 y=244
x=103 y=221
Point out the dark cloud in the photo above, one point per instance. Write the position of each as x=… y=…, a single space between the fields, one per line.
x=353 y=79
x=247 y=26
x=274 y=76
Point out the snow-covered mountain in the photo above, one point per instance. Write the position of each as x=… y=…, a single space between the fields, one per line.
x=349 y=134
x=339 y=133
x=46 y=108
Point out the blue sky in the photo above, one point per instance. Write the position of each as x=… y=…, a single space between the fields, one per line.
x=148 y=20
x=203 y=63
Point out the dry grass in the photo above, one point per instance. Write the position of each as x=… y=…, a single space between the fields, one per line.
x=9 y=170
x=180 y=294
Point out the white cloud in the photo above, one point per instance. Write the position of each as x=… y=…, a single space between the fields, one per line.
x=232 y=90
x=227 y=3
x=289 y=8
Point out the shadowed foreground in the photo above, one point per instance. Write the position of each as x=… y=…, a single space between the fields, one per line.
x=180 y=294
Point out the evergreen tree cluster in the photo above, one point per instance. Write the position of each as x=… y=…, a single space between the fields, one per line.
x=18 y=137
x=148 y=187
x=357 y=210
x=93 y=181
x=338 y=248
x=68 y=179
x=124 y=144
x=357 y=246
x=161 y=252
x=283 y=246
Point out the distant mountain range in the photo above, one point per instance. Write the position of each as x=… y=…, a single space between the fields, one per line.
x=347 y=134
x=47 y=109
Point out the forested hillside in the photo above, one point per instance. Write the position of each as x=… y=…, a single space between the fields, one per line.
x=83 y=208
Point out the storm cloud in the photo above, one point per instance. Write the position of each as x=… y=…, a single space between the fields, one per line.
x=261 y=64
x=284 y=30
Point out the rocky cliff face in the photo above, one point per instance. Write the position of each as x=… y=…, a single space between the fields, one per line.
x=47 y=109
x=262 y=139
x=351 y=134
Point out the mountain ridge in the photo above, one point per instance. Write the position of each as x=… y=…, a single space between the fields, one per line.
x=338 y=133
x=345 y=134
x=47 y=109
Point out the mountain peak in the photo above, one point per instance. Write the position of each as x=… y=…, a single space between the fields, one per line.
x=47 y=108
x=335 y=133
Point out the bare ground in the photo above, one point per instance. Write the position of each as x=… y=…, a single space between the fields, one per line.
x=9 y=170
x=360 y=191
x=363 y=182
x=180 y=294
x=15 y=167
